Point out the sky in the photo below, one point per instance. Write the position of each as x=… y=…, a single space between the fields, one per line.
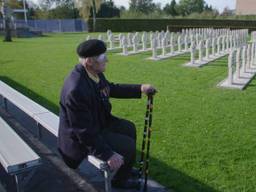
x=218 y=4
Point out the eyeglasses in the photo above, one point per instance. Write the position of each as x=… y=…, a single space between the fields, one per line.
x=101 y=58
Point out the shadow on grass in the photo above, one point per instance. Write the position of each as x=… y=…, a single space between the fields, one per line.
x=217 y=63
x=31 y=94
x=184 y=58
x=252 y=83
x=172 y=178
x=3 y=62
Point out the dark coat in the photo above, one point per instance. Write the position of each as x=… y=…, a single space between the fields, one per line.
x=84 y=112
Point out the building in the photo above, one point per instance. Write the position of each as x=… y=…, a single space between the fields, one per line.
x=246 y=7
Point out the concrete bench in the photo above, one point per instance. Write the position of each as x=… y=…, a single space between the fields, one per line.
x=49 y=121
x=16 y=156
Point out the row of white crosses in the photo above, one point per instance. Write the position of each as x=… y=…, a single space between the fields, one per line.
x=215 y=48
x=113 y=41
x=137 y=42
x=183 y=43
x=125 y=41
x=171 y=45
x=143 y=42
x=241 y=67
x=253 y=36
x=100 y=37
x=134 y=43
x=204 y=33
x=110 y=39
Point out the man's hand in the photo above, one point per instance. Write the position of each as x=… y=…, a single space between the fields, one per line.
x=148 y=89
x=115 y=161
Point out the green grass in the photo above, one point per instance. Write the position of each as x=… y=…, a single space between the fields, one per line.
x=203 y=137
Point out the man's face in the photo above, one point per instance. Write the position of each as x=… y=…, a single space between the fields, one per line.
x=99 y=63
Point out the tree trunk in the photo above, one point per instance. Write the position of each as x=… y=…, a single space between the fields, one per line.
x=94 y=15
x=8 y=32
x=7 y=21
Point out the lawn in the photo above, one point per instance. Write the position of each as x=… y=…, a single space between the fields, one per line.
x=204 y=138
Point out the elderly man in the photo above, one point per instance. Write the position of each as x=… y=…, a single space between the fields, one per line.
x=86 y=123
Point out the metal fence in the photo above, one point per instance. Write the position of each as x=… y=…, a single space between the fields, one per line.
x=49 y=26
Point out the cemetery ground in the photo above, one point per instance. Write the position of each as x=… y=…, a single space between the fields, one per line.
x=203 y=137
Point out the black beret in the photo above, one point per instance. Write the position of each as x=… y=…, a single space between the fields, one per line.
x=91 y=48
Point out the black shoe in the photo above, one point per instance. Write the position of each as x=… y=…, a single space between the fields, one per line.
x=126 y=184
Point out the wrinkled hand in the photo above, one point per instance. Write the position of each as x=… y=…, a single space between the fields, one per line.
x=148 y=89
x=115 y=161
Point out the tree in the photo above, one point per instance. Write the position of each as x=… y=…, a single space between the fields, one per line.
x=6 y=12
x=122 y=8
x=133 y=5
x=46 y=5
x=108 y=9
x=227 y=12
x=54 y=9
x=15 y=4
x=143 y=6
x=84 y=7
x=208 y=8
x=171 y=8
x=186 y=7
x=63 y=12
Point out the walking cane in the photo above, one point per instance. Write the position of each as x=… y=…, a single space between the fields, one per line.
x=150 y=98
x=146 y=140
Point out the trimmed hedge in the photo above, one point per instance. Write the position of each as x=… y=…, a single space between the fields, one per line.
x=129 y=25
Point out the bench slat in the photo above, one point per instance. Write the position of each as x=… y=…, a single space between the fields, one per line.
x=97 y=162
x=15 y=154
x=50 y=121
x=24 y=103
